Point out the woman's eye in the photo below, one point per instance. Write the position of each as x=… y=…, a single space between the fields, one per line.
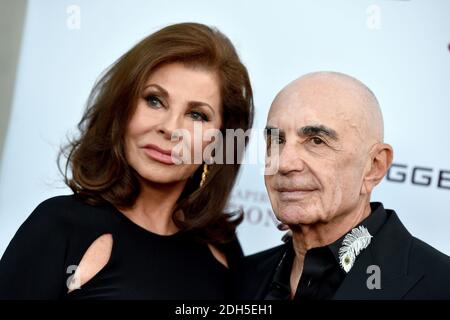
x=199 y=116
x=153 y=101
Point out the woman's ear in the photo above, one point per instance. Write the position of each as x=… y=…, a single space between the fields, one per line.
x=380 y=159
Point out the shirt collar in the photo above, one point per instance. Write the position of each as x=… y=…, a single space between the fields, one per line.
x=373 y=223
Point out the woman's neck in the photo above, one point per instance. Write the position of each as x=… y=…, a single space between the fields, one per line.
x=154 y=206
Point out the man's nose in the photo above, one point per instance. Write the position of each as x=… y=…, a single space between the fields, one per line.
x=291 y=158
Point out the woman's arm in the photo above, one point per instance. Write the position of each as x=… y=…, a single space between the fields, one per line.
x=32 y=266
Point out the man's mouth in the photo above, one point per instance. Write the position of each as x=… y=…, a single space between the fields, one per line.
x=290 y=194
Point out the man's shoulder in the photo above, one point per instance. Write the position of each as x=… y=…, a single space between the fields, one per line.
x=431 y=259
x=433 y=267
x=253 y=274
x=428 y=265
x=420 y=253
x=265 y=254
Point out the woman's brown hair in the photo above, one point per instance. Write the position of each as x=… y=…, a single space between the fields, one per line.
x=99 y=171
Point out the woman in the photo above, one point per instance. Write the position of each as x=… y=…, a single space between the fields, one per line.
x=140 y=224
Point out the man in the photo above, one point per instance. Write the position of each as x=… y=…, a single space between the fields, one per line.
x=328 y=128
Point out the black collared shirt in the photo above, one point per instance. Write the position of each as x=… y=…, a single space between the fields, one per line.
x=322 y=274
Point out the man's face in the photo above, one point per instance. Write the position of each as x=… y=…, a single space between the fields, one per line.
x=321 y=156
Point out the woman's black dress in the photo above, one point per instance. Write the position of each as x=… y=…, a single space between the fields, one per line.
x=49 y=245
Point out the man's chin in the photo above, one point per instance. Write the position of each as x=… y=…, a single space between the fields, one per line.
x=295 y=218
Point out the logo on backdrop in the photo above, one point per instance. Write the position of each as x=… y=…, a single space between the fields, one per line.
x=419 y=176
x=256 y=207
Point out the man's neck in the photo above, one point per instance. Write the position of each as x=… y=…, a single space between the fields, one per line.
x=306 y=237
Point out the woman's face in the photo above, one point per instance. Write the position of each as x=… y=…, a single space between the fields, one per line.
x=175 y=96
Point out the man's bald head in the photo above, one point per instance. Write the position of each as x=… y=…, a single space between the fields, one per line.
x=327 y=130
x=348 y=96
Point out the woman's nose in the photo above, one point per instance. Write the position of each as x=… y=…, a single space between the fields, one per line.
x=169 y=124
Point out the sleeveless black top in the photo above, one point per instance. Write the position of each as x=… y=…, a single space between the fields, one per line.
x=46 y=249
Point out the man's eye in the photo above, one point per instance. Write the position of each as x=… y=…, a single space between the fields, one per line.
x=199 y=116
x=153 y=101
x=317 y=140
x=274 y=144
x=279 y=140
x=276 y=140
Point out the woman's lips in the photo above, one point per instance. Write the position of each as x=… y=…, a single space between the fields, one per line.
x=158 y=154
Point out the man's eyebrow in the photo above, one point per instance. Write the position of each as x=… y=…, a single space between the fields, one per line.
x=318 y=130
x=270 y=130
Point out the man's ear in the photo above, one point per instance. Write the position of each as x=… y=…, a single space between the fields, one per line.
x=381 y=157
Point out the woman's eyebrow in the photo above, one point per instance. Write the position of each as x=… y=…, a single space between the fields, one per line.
x=191 y=104
x=163 y=91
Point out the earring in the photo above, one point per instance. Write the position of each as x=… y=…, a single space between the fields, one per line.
x=204 y=174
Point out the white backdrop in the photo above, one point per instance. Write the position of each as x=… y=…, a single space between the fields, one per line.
x=400 y=49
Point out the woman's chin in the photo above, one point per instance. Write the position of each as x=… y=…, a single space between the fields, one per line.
x=163 y=179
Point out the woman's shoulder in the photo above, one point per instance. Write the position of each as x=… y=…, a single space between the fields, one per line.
x=62 y=203
x=35 y=262
x=68 y=211
x=55 y=206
